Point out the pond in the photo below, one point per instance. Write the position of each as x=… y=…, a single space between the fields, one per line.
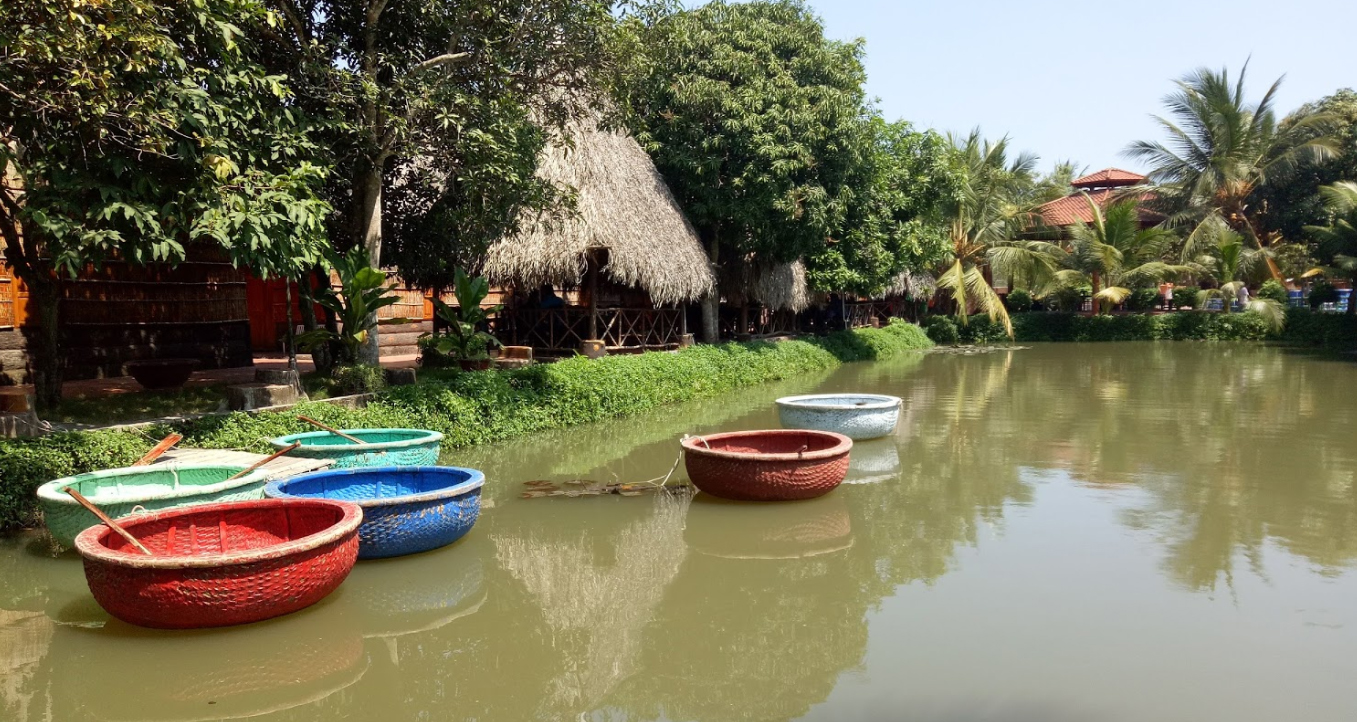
x=1063 y=532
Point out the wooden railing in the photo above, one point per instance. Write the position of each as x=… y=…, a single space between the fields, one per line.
x=563 y=330
x=859 y=314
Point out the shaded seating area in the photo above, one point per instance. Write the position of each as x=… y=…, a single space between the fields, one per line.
x=612 y=274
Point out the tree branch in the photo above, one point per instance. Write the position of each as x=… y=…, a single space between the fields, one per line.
x=294 y=19
x=436 y=61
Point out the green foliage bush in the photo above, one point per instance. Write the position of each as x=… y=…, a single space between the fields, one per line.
x=1322 y=292
x=1336 y=331
x=1018 y=301
x=981 y=331
x=1142 y=299
x=1273 y=290
x=1185 y=326
x=358 y=379
x=1186 y=296
x=471 y=408
x=942 y=330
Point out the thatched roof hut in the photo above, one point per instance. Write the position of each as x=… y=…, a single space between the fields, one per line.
x=913 y=286
x=775 y=286
x=622 y=207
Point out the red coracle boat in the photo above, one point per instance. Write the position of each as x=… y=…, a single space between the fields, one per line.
x=779 y=465
x=221 y=564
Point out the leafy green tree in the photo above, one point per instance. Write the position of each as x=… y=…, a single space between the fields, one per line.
x=984 y=220
x=1229 y=263
x=894 y=221
x=1221 y=151
x=430 y=95
x=1114 y=255
x=754 y=119
x=1293 y=200
x=1338 y=240
x=135 y=128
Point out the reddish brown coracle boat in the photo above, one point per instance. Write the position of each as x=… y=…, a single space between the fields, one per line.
x=779 y=465
x=222 y=564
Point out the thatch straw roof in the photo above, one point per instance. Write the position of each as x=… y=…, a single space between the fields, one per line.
x=910 y=285
x=622 y=206
x=776 y=286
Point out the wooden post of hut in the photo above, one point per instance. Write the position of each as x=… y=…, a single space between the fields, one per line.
x=593 y=347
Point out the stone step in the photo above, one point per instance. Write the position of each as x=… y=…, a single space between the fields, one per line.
x=244 y=397
x=410 y=350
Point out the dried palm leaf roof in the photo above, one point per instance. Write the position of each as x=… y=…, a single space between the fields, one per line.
x=915 y=286
x=777 y=286
x=622 y=206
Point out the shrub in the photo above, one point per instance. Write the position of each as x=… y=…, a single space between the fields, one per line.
x=1322 y=292
x=1142 y=299
x=1018 y=301
x=358 y=379
x=1069 y=299
x=1186 y=296
x=1321 y=330
x=981 y=331
x=1273 y=290
x=26 y=464
x=942 y=330
x=1045 y=327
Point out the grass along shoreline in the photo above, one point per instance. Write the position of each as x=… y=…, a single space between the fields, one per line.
x=468 y=408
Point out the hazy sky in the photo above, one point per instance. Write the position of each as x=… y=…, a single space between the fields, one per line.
x=1079 y=80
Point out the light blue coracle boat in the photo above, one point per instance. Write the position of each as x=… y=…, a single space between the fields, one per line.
x=119 y=492
x=857 y=416
x=380 y=447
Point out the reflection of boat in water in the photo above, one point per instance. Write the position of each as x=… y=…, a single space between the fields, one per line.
x=769 y=531
x=873 y=462
x=214 y=674
x=406 y=595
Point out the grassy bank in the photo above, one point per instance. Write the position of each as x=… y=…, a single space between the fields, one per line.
x=472 y=408
x=1304 y=328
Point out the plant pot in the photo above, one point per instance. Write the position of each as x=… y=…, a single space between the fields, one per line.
x=474 y=364
x=165 y=373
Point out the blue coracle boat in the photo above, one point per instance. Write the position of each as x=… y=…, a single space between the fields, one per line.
x=406 y=509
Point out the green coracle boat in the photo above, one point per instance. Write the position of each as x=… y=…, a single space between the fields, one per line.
x=119 y=492
x=380 y=447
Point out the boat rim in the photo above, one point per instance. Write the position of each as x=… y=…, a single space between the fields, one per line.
x=842 y=445
x=808 y=401
x=90 y=547
x=476 y=479
x=426 y=437
x=52 y=490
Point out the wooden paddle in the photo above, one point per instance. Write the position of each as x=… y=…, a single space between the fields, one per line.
x=165 y=444
x=263 y=461
x=104 y=518
x=330 y=429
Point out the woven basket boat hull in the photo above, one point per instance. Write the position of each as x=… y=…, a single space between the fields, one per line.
x=775 y=465
x=381 y=447
x=121 y=491
x=222 y=564
x=406 y=510
x=857 y=416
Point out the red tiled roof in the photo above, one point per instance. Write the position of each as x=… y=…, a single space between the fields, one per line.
x=1074 y=209
x=1108 y=178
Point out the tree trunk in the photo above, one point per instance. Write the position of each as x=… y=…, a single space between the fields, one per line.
x=44 y=343
x=711 y=305
x=1097 y=288
x=1352 y=298
x=371 y=229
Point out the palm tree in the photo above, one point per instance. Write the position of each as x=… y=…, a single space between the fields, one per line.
x=985 y=215
x=1229 y=262
x=1338 y=240
x=1220 y=150
x=1114 y=255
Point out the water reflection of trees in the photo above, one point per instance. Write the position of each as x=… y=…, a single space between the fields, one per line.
x=1236 y=445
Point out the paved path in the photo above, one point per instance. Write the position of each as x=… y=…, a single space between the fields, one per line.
x=280 y=468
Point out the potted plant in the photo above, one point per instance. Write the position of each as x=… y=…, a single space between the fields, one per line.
x=464 y=340
x=363 y=290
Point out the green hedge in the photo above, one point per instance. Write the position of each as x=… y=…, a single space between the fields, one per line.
x=473 y=408
x=1303 y=328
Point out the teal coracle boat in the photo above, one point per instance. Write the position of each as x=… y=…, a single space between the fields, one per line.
x=380 y=447
x=119 y=492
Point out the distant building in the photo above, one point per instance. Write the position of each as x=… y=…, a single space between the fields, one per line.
x=1103 y=188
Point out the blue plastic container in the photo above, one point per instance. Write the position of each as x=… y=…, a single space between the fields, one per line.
x=406 y=509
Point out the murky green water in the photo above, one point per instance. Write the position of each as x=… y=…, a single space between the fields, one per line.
x=1104 y=532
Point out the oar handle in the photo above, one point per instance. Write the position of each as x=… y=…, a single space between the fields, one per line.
x=80 y=498
x=263 y=461
x=330 y=429
x=165 y=444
